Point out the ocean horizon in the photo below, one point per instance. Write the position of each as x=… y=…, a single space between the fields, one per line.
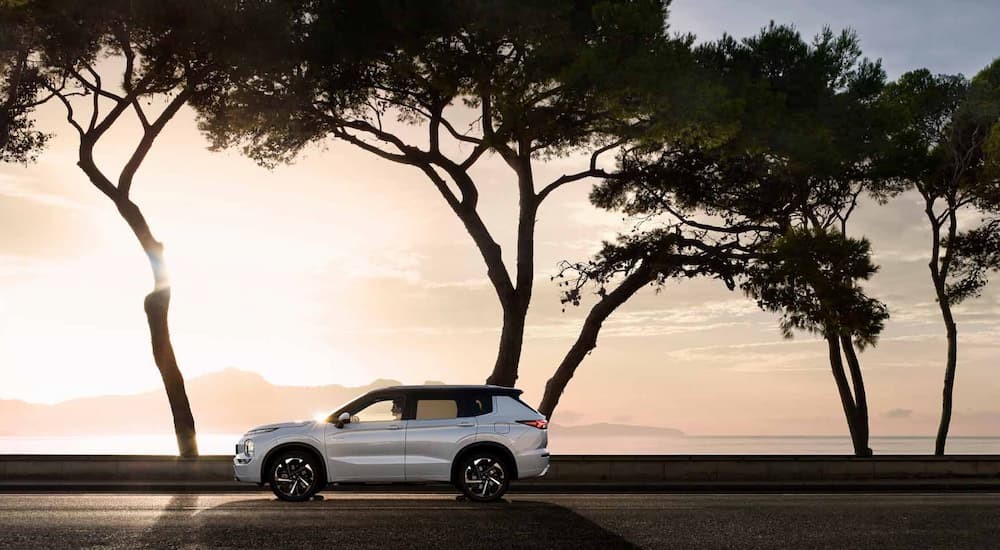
x=223 y=444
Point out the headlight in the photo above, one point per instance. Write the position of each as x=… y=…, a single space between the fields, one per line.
x=248 y=447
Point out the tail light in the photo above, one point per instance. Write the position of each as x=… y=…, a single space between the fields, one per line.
x=540 y=424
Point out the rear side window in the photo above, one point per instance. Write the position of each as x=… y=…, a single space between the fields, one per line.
x=476 y=404
x=433 y=409
x=439 y=405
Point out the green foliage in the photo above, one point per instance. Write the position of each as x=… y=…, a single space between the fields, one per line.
x=921 y=107
x=770 y=200
x=20 y=141
x=946 y=140
x=991 y=154
x=663 y=253
x=980 y=115
x=802 y=140
x=20 y=82
x=976 y=253
x=177 y=43
x=811 y=277
x=550 y=76
x=797 y=150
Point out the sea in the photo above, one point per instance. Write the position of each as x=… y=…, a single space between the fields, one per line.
x=224 y=444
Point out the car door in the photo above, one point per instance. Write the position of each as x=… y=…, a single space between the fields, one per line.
x=371 y=446
x=435 y=431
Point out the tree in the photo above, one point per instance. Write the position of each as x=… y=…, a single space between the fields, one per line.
x=546 y=78
x=811 y=277
x=169 y=53
x=945 y=130
x=20 y=84
x=623 y=268
x=791 y=168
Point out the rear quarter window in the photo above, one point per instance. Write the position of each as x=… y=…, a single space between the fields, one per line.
x=527 y=406
x=476 y=405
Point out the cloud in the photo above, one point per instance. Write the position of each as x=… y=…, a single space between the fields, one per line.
x=383 y=264
x=19 y=266
x=11 y=186
x=898 y=413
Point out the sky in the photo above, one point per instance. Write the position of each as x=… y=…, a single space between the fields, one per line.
x=343 y=268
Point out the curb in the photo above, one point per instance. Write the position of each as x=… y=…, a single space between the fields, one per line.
x=955 y=485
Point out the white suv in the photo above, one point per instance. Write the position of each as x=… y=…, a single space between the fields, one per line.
x=477 y=437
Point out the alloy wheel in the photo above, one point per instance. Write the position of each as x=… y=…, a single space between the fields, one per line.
x=294 y=476
x=485 y=477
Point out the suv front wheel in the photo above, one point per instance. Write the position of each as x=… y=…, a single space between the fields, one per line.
x=482 y=476
x=295 y=476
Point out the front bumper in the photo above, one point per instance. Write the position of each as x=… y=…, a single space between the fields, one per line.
x=248 y=472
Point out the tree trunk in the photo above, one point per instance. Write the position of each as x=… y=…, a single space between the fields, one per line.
x=860 y=396
x=515 y=309
x=511 y=340
x=951 y=331
x=157 y=307
x=587 y=339
x=846 y=398
x=939 y=267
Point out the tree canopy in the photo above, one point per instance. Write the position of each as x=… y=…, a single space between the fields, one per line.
x=770 y=201
x=537 y=79
x=134 y=63
x=20 y=85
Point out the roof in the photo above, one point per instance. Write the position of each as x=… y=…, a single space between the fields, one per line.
x=498 y=390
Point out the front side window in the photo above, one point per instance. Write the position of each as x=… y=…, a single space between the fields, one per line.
x=435 y=409
x=383 y=410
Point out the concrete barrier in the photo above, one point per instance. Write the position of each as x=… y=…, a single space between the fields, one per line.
x=26 y=471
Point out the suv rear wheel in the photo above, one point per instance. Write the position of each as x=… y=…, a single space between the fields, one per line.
x=482 y=476
x=295 y=476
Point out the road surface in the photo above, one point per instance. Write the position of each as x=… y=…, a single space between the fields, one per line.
x=401 y=521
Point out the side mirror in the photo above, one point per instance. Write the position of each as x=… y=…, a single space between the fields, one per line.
x=344 y=418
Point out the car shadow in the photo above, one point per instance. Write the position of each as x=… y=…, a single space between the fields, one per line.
x=172 y=527
x=382 y=522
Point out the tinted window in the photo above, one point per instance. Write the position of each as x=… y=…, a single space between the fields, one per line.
x=476 y=405
x=431 y=409
x=382 y=410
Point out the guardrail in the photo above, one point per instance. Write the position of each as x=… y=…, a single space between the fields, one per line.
x=633 y=470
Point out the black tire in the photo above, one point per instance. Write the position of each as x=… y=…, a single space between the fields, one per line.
x=483 y=476
x=295 y=476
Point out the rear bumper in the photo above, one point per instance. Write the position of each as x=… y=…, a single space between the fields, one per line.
x=532 y=464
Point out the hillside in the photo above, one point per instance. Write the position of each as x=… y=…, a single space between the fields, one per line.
x=229 y=401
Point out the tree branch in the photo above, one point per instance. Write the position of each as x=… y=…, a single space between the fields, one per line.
x=592 y=170
x=364 y=145
x=69 y=108
x=149 y=136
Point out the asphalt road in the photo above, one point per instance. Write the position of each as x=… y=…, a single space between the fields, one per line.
x=400 y=521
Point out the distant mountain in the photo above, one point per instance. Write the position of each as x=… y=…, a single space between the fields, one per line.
x=604 y=429
x=229 y=401
x=222 y=402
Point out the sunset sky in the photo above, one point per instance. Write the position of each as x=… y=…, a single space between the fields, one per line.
x=343 y=268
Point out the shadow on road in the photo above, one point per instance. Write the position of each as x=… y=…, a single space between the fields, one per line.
x=172 y=527
x=379 y=523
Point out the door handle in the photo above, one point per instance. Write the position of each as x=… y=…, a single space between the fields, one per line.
x=466 y=424
x=395 y=427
